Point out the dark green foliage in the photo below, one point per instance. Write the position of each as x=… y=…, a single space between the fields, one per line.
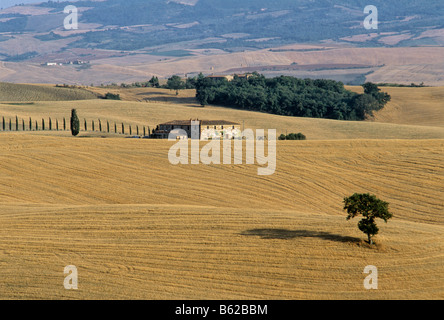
x=292 y=136
x=57 y=124
x=115 y=127
x=3 y=124
x=175 y=83
x=23 y=124
x=50 y=124
x=36 y=126
x=10 y=125
x=381 y=98
x=43 y=124
x=370 y=208
x=112 y=96
x=123 y=129
x=64 y=124
x=30 y=124
x=16 y=124
x=85 y=125
x=100 y=126
x=92 y=125
x=107 y=126
x=75 y=123
x=289 y=96
x=154 y=82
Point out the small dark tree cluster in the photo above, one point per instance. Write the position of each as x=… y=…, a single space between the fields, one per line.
x=112 y=96
x=292 y=136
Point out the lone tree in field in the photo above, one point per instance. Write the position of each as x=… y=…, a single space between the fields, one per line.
x=370 y=208
x=75 y=123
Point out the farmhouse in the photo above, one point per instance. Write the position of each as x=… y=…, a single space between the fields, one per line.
x=204 y=129
x=229 y=77
x=221 y=77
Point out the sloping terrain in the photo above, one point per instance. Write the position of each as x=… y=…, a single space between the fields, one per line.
x=138 y=227
x=26 y=92
x=422 y=118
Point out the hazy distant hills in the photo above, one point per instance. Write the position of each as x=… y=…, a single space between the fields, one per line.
x=136 y=24
x=146 y=31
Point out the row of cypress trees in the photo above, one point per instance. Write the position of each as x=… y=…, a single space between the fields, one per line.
x=22 y=125
x=31 y=125
x=75 y=126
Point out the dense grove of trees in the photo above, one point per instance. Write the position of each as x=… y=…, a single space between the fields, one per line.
x=291 y=96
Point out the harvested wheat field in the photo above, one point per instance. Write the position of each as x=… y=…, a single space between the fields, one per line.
x=138 y=227
x=30 y=92
x=162 y=105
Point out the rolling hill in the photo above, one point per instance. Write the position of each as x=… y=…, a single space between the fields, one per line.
x=138 y=227
x=29 y=93
x=124 y=43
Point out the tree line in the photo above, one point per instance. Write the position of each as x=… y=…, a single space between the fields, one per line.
x=73 y=124
x=290 y=96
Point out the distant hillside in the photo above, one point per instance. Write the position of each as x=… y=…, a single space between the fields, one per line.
x=26 y=92
x=113 y=24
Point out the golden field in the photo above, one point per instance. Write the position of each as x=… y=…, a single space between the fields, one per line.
x=151 y=106
x=27 y=92
x=138 y=227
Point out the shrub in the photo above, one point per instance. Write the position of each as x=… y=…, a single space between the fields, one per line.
x=292 y=136
x=112 y=96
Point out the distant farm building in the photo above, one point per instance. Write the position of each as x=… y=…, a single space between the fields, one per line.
x=229 y=77
x=204 y=129
x=221 y=77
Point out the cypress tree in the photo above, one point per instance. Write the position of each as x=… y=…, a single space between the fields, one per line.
x=43 y=124
x=64 y=124
x=92 y=125
x=144 y=131
x=115 y=127
x=50 y=124
x=57 y=124
x=4 y=124
x=10 y=126
x=85 y=125
x=23 y=124
x=30 y=124
x=100 y=125
x=107 y=126
x=123 y=129
x=137 y=128
x=130 y=131
x=36 y=126
x=75 y=123
x=16 y=123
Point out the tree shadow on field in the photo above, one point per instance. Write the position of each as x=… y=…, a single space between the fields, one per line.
x=285 y=234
